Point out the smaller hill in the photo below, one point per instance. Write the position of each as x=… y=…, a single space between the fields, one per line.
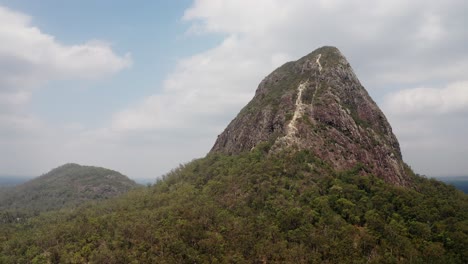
x=67 y=185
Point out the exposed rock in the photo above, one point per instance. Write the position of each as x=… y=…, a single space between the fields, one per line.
x=317 y=103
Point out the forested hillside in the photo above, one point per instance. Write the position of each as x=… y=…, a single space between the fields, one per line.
x=254 y=208
x=67 y=185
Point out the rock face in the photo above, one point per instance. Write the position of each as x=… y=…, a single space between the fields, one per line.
x=318 y=103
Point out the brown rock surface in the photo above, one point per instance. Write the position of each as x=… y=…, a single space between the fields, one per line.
x=317 y=103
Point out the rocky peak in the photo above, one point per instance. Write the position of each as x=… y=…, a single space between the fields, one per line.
x=318 y=103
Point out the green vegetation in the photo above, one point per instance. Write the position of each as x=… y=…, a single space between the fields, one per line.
x=254 y=208
x=67 y=185
x=283 y=80
x=330 y=56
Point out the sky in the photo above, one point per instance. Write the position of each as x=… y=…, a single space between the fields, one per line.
x=143 y=86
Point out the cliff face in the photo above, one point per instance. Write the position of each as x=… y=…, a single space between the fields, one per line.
x=318 y=103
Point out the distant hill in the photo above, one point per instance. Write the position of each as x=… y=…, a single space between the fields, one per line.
x=67 y=185
x=460 y=182
x=8 y=180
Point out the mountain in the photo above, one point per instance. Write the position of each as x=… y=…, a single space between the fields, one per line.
x=317 y=103
x=279 y=186
x=67 y=185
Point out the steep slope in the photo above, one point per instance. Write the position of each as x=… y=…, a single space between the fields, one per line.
x=317 y=103
x=70 y=184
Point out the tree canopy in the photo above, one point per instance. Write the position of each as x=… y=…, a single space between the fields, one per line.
x=254 y=208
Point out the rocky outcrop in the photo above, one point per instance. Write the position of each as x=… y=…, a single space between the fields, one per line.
x=318 y=103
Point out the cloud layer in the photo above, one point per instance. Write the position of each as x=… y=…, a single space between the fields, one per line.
x=432 y=124
x=449 y=100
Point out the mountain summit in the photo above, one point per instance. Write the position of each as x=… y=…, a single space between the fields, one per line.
x=317 y=103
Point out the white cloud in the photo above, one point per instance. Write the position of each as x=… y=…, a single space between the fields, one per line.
x=432 y=124
x=237 y=16
x=14 y=99
x=29 y=57
x=203 y=92
x=429 y=101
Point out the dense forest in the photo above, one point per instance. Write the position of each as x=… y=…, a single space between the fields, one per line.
x=254 y=208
